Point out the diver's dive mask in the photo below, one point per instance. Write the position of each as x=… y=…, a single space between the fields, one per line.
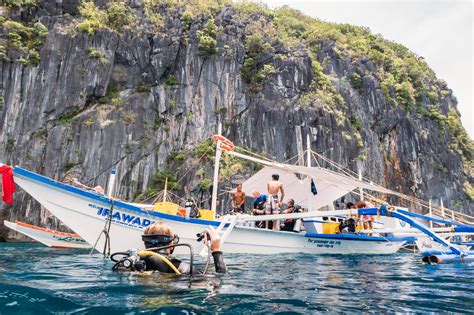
x=159 y=240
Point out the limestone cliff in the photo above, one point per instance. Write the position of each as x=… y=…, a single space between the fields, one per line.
x=140 y=85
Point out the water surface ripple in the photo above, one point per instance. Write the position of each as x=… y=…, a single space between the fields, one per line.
x=36 y=279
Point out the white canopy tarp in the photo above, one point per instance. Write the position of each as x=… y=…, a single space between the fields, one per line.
x=336 y=179
x=330 y=185
x=296 y=187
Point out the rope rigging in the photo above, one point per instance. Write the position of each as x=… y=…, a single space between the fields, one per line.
x=106 y=232
x=229 y=146
x=466 y=218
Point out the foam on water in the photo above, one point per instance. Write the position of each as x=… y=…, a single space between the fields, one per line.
x=34 y=278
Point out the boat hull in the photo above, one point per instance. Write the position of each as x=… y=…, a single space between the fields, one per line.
x=428 y=247
x=50 y=238
x=86 y=213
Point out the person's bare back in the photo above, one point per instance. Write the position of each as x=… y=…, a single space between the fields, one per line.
x=274 y=187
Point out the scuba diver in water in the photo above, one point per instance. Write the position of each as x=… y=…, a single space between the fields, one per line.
x=160 y=242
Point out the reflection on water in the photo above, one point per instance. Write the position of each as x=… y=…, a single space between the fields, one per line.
x=34 y=278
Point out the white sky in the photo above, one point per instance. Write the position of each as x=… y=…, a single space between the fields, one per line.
x=439 y=30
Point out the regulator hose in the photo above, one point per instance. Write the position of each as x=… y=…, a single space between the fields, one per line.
x=118 y=261
x=147 y=253
x=191 y=253
x=118 y=253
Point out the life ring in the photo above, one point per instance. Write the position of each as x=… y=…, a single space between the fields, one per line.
x=226 y=144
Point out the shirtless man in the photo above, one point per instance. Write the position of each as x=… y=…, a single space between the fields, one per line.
x=238 y=200
x=274 y=187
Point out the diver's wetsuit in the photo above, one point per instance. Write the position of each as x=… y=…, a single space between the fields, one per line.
x=155 y=263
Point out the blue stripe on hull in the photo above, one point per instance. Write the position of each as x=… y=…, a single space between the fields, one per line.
x=358 y=237
x=104 y=199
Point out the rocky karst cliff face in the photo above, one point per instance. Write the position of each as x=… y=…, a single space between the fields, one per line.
x=141 y=86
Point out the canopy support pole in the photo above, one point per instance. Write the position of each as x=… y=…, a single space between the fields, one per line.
x=111 y=183
x=165 y=191
x=360 y=188
x=216 y=171
x=431 y=214
x=308 y=163
x=442 y=208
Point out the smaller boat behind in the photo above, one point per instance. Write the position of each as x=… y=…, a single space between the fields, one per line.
x=50 y=238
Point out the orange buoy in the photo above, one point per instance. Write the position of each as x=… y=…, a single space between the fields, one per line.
x=226 y=144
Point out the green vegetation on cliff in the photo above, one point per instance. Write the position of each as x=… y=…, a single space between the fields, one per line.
x=207 y=39
x=25 y=39
x=116 y=16
x=12 y=4
x=405 y=78
x=265 y=45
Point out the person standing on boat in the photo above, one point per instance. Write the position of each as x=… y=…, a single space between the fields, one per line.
x=238 y=200
x=259 y=205
x=274 y=187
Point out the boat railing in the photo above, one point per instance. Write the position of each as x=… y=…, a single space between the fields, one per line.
x=453 y=215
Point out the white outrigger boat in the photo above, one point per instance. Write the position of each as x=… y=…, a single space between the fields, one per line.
x=86 y=212
x=91 y=215
x=50 y=238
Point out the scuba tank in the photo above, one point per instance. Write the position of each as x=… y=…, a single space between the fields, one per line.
x=297 y=226
x=188 y=206
x=298 y=222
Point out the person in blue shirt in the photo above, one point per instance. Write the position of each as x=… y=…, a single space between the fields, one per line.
x=259 y=206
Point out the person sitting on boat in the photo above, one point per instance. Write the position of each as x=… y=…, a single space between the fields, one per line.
x=273 y=206
x=349 y=224
x=352 y=206
x=289 y=224
x=160 y=234
x=259 y=206
x=367 y=220
x=238 y=200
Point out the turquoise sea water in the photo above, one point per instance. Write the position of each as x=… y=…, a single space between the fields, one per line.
x=35 y=279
